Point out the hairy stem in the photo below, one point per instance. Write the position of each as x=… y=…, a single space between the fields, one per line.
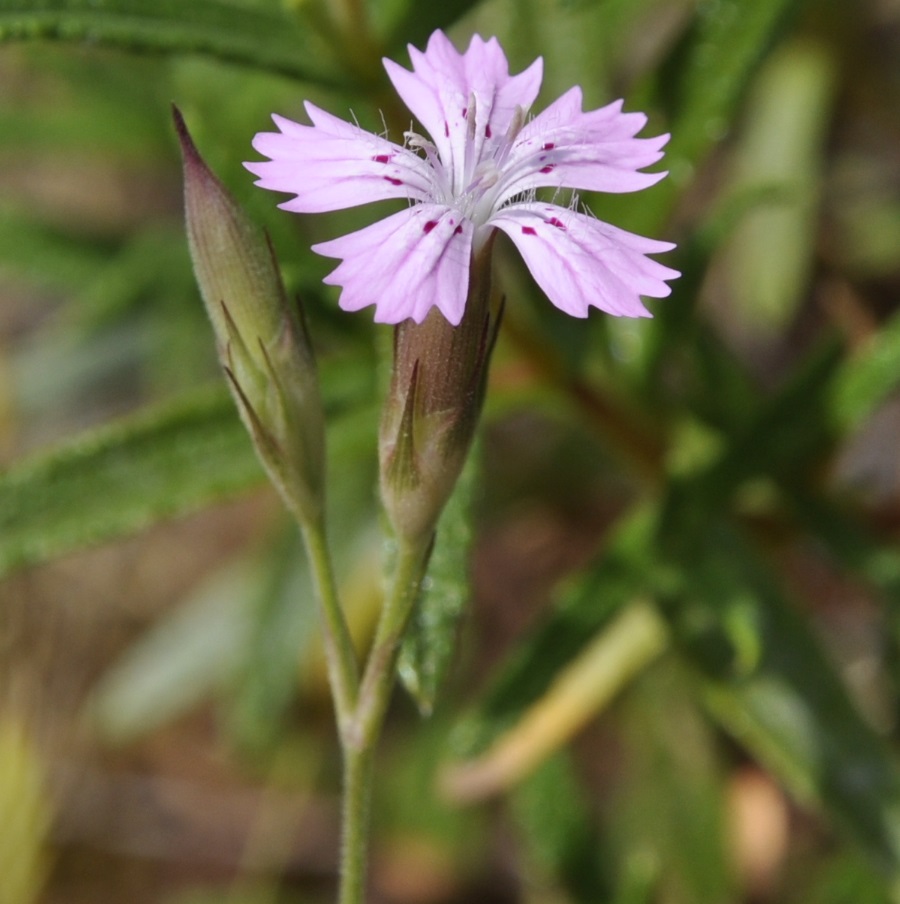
x=343 y=671
x=360 y=735
x=357 y=795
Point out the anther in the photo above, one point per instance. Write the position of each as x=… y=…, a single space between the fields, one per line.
x=470 y=116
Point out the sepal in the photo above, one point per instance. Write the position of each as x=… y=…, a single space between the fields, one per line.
x=434 y=404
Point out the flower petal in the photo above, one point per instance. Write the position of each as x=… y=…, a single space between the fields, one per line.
x=581 y=262
x=497 y=94
x=334 y=164
x=405 y=264
x=564 y=147
x=442 y=84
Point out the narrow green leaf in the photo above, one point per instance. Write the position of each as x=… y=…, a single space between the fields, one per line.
x=584 y=608
x=868 y=377
x=430 y=641
x=263 y=39
x=728 y=41
x=852 y=545
x=771 y=255
x=782 y=440
x=709 y=72
x=673 y=807
x=762 y=672
x=559 y=832
x=768 y=682
x=158 y=464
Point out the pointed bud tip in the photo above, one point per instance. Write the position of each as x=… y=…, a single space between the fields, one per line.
x=188 y=148
x=194 y=164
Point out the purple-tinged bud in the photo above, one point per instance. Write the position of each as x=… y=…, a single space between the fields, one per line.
x=436 y=393
x=261 y=337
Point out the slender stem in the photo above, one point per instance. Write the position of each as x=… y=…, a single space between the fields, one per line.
x=378 y=677
x=355 y=822
x=360 y=737
x=343 y=671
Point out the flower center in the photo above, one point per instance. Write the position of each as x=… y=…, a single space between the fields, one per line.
x=471 y=181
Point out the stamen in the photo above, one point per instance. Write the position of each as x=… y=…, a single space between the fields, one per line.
x=469 y=116
x=417 y=142
x=515 y=125
x=487 y=175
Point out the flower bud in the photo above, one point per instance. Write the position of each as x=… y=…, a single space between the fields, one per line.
x=261 y=337
x=436 y=393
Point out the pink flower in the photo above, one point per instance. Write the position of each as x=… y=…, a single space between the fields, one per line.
x=479 y=172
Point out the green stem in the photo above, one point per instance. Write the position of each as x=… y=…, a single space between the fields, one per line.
x=355 y=823
x=359 y=737
x=379 y=675
x=343 y=671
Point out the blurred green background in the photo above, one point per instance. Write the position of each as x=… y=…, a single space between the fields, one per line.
x=658 y=654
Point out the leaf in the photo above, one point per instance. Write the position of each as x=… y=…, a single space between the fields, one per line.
x=430 y=640
x=780 y=440
x=782 y=142
x=724 y=49
x=584 y=608
x=710 y=71
x=616 y=653
x=259 y=38
x=867 y=377
x=559 y=833
x=674 y=808
x=158 y=464
x=768 y=682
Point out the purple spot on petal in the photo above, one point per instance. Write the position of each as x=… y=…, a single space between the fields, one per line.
x=394 y=181
x=382 y=158
x=548 y=168
x=446 y=129
x=429 y=226
x=553 y=221
x=465 y=112
x=528 y=230
x=548 y=146
x=458 y=229
x=487 y=131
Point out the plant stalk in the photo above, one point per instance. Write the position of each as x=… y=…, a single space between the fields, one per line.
x=343 y=670
x=360 y=734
